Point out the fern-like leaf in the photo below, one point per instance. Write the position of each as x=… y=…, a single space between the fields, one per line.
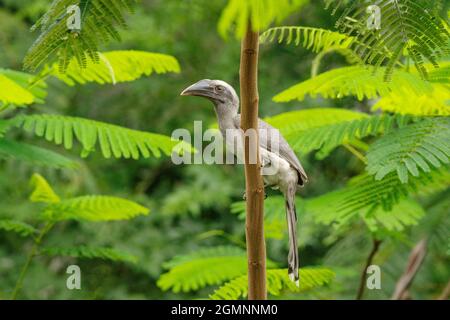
x=42 y=191
x=113 y=140
x=260 y=13
x=20 y=88
x=13 y=93
x=400 y=31
x=94 y=208
x=434 y=103
x=99 y=21
x=325 y=129
x=362 y=82
x=90 y=253
x=33 y=155
x=411 y=149
x=364 y=195
x=314 y=39
x=210 y=266
x=117 y=66
x=277 y=282
x=19 y=227
x=296 y=121
x=403 y=214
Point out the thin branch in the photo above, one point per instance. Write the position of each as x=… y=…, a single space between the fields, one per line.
x=31 y=255
x=445 y=293
x=355 y=152
x=362 y=282
x=254 y=187
x=415 y=260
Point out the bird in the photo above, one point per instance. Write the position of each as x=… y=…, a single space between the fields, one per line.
x=289 y=174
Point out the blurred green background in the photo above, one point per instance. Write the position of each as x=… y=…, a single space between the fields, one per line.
x=186 y=202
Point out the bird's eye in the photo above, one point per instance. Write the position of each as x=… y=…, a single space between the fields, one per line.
x=219 y=88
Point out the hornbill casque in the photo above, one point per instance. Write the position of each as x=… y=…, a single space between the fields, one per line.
x=289 y=173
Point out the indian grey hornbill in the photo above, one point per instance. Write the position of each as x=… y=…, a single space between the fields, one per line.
x=274 y=152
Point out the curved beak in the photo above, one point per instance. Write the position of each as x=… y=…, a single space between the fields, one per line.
x=200 y=89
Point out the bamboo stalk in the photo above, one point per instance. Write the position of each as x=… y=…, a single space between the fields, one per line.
x=256 y=248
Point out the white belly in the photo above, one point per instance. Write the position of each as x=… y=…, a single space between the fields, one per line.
x=276 y=171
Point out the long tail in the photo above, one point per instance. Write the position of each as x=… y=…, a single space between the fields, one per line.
x=291 y=216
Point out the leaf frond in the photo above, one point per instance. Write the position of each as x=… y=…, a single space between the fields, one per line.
x=358 y=81
x=100 y=21
x=86 y=252
x=116 y=66
x=209 y=266
x=314 y=39
x=261 y=13
x=277 y=282
x=366 y=196
x=42 y=191
x=94 y=208
x=406 y=26
x=324 y=129
x=19 y=227
x=411 y=149
x=34 y=155
x=113 y=140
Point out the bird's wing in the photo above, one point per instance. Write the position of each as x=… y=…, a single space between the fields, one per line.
x=284 y=150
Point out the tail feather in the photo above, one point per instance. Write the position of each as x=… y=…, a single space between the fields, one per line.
x=291 y=216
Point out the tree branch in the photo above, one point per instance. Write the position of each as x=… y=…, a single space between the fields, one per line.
x=445 y=293
x=362 y=282
x=256 y=248
x=414 y=262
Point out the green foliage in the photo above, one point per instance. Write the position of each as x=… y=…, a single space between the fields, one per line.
x=325 y=129
x=441 y=75
x=4 y=126
x=117 y=66
x=209 y=266
x=208 y=188
x=403 y=214
x=42 y=191
x=399 y=33
x=19 y=227
x=91 y=208
x=413 y=210
x=260 y=13
x=213 y=266
x=14 y=93
x=99 y=22
x=277 y=282
x=415 y=102
x=113 y=140
x=366 y=196
x=90 y=253
x=94 y=208
x=411 y=149
x=33 y=155
x=359 y=81
x=31 y=83
x=315 y=39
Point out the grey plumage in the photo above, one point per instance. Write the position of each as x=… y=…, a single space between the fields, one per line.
x=289 y=172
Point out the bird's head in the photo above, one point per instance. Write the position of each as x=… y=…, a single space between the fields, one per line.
x=217 y=91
